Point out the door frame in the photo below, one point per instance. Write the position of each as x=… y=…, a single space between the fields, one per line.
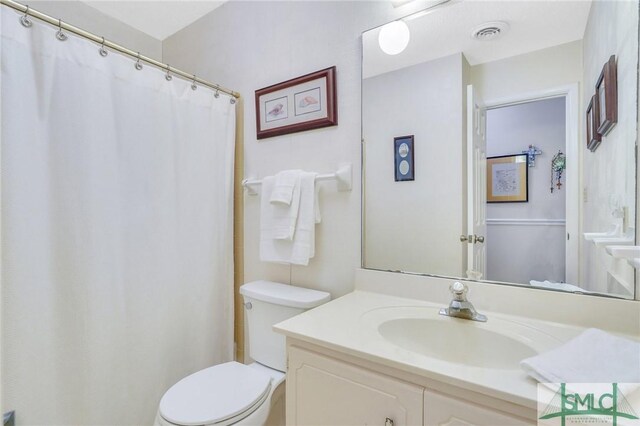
x=573 y=219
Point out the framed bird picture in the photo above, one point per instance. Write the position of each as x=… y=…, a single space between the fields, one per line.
x=303 y=103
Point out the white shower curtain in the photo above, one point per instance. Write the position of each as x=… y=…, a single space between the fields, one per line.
x=117 y=221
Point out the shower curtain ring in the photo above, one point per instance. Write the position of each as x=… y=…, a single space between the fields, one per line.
x=138 y=65
x=168 y=76
x=232 y=100
x=217 y=93
x=24 y=20
x=61 y=35
x=103 y=51
x=193 y=83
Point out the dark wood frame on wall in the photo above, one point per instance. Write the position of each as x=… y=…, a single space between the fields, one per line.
x=332 y=104
x=592 y=123
x=608 y=76
x=409 y=139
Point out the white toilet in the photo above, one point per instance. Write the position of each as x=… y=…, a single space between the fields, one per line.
x=234 y=393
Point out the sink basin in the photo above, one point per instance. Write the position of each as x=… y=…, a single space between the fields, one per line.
x=498 y=344
x=453 y=342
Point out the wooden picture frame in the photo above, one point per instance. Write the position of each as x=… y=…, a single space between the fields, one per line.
x=607 y=95
x=592 y=123
x=508 y=179
x=403 y=158
x=303 y=103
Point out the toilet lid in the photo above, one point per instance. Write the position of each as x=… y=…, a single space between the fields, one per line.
x=214 y=394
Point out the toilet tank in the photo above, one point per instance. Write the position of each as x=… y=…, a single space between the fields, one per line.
x=267 y=303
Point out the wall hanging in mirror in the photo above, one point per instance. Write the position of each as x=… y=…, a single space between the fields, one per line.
x=303 y=103
x=507 y=179
x=593 y=137
x=403 y=158
x=558 y=164
x=607 y=95
x=532 y=153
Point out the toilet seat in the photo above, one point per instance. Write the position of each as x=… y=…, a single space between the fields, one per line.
x=222 y=394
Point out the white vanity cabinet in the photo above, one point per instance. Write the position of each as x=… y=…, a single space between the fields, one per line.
x=444 y=410
x=325 y=391
x=328 y=389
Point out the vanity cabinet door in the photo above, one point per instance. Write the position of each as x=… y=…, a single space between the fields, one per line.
x=325 y=391
x=441 y=410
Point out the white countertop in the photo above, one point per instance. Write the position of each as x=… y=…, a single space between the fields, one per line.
x=345 y=325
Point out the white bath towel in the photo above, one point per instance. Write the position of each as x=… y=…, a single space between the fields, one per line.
x=301 y=248
x=278 y=219
x=317 y=203
x=287 y=184
x=593 y=357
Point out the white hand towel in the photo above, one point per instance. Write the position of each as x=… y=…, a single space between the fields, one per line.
x=593 y=357
x=278 y=220
x=302 y=248
x=558 y=286
x=287 y=182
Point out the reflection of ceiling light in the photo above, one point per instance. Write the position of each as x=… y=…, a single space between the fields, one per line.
x=490 y=31
x=394 y=37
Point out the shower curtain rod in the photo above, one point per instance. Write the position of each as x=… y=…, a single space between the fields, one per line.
x=113 y=46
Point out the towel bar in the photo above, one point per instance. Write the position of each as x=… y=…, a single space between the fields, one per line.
x=343 y=177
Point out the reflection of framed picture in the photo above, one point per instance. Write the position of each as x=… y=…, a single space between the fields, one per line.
x=303 y=103
x=607 y=91
x=593 y=137
x=403 y=156
x=507 y=179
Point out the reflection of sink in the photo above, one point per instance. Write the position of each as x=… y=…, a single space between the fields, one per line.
x=501 y=343
x=456 y=342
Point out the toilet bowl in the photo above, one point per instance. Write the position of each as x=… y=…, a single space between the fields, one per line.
x=237 y=394
x=225 y=394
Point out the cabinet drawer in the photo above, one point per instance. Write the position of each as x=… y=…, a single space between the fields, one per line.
x=441 y=410
x=324 y=391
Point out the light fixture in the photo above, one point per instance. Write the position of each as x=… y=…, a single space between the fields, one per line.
x=394 y=37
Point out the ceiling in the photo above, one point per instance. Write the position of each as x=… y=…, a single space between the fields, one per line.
x=534 y=25
x=159 y=19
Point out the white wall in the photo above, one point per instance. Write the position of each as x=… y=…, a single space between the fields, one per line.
x=414 y=226
x=540 y=70
x=540 y=252
x=609 y=172
x=251 y=45
x=79 y=14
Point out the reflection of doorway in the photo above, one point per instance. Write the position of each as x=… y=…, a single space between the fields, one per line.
x=528 y=241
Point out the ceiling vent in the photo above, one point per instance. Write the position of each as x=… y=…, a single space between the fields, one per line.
x=490 y=31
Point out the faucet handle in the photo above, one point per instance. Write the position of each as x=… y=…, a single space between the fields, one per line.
x=460 y=307
x=458 y=288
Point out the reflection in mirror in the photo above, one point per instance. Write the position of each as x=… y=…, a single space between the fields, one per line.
x=523 y=122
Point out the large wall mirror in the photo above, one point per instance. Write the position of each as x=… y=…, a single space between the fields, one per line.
x=499 y=144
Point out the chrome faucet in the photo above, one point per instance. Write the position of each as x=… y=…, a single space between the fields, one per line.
x=460 y=307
